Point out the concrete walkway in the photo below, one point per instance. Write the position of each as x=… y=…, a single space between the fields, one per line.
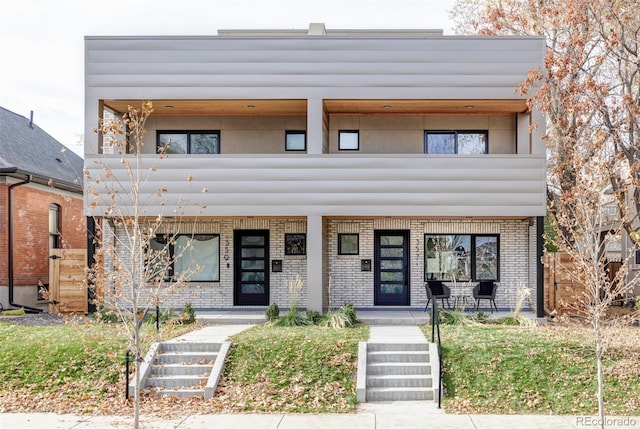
x=396 y=334
x=212 y=333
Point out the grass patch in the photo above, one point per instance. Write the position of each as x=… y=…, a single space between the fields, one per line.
x=65 y=368
x=292 y=369
x=541 y=370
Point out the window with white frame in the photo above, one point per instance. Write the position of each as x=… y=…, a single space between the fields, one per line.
x=195 y=256
x=55 y=241
x=461 y=257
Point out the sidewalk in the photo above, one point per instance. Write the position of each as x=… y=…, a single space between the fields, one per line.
x=385 y=416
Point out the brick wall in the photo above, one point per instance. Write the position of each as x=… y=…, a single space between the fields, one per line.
x=212 y=295
x=350 y=284
x=31 y=234
x=345 y=282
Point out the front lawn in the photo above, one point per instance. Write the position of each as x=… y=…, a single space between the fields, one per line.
x=488 y=369
x=536 y=370
x=296 y=369
x=73 y=368
x=79 y=368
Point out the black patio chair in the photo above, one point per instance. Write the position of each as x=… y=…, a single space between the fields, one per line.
x=486 y=289
x=437 y=290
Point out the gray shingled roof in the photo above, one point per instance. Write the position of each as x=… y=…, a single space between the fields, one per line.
x=30 y=150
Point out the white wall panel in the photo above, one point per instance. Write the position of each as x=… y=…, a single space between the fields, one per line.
x=334 y=185
x=303 y=64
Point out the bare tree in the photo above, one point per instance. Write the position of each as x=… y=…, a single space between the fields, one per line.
x=589 y=88
x=134 y=272
x=587 y=220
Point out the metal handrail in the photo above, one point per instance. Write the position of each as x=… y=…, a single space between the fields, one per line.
x=435 y=328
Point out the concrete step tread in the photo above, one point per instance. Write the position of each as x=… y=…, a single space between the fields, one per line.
x=186 y=353
x=399 y=389
x=399 y=376
x=398 y=352
x=179 y=365
x=180 y=392
x=178 y=377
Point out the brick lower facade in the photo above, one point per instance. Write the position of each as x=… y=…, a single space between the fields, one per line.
x=350 y=284
x=345 y=282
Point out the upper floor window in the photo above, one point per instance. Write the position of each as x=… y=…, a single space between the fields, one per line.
x=348 y=140
x=193 y=142
x=456 y=142
x=295 y=141
x=637 y=257
x=54 y=227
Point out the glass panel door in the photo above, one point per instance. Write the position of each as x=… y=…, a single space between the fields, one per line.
x=251 y=261
x=391 y=268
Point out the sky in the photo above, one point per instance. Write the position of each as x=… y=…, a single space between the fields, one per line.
x=42 y=41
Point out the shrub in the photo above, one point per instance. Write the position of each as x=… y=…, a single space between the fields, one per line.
x=350 y=311
x=273 y=312
x=336 y=319
x=314 y=317
x=515 y=321
x=14 y=312
x=344 y=317
x=188 y=315
x=106 y=315
x=456 y=317
x=292 y=318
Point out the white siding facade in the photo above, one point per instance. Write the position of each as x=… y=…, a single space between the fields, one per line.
x=433 y=82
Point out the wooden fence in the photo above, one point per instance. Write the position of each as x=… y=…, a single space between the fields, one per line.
x=67 y=288
x=562 y=291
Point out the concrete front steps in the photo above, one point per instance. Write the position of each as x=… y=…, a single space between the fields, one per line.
x=397 y=364
x=183 y=369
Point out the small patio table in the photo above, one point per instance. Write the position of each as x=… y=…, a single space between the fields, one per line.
x=460 y=293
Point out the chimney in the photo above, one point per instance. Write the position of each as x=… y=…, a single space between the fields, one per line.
x=31 y=120
x=317 y=29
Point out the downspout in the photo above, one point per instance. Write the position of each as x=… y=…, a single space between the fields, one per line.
x=91 y=252
x=10 y=255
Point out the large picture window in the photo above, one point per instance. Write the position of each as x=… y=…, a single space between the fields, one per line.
x=456 y=142
x=192 y=142
x=461 y=257
x=196 y=256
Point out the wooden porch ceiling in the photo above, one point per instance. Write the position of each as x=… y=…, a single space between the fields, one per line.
x=331 y=106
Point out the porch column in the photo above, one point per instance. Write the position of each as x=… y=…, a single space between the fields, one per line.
x=538 y=145
x=315 y=263
x=315 y=132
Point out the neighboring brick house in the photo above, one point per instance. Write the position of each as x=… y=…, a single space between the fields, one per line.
x=40 y=208
x=358 y=159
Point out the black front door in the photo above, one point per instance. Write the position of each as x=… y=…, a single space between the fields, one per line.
x=251 y=272
x=391 y=268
